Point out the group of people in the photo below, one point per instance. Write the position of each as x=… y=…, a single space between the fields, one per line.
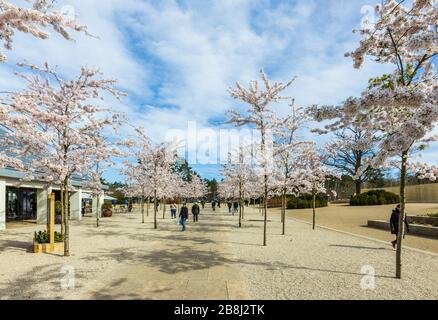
x=215 y=203
x=233 y=207
x=184 y=214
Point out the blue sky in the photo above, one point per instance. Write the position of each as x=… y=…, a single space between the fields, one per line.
x=176 y=59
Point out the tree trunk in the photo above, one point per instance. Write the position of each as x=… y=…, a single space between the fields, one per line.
x=97 y=210
x=155 y=209
x=358 y=185
x=66 y=220
x=62 y=211
x=164 y=208
x=283 y=212
x=314 y=210
x=240 y=204
x=243 y=202
x=147 y=206
x=265 y=212
x=401 y=222
x=142 y=209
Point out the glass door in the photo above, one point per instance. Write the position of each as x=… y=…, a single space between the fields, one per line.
x=21 y=204
x=12 y=205
x=28 y=202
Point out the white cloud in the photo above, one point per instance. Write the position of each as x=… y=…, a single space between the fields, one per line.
x=185 y=54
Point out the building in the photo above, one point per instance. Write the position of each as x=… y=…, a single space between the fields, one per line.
x=29 y=201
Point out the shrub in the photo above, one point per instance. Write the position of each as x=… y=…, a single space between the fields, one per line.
x=43 y=237
x=107 y=205
x=305 y=202
x=374 y=198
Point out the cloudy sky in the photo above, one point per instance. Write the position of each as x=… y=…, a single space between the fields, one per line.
x=176 y=59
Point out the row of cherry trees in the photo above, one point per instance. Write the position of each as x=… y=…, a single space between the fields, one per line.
x=392 y=119
x=281 y=163
x=152 y=174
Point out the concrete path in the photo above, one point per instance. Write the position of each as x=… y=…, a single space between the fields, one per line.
x=195 y=264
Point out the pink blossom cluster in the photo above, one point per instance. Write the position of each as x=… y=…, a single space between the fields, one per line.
x=33 y=21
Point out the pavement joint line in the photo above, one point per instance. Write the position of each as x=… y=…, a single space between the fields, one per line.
x=365 y=237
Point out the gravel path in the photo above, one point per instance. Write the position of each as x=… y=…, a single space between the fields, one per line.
x=94 y=252
x=125 y=259
x=322 y=264
x=354 y=220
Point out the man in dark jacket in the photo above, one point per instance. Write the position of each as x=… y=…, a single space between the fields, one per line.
x=230 y=205
x=195 y=212
x=183 y=216
x=235 y=207
x=394 y=222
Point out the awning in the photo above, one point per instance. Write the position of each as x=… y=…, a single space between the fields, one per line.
x=89 y=196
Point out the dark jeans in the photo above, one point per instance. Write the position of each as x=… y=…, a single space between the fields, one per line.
x=173 y=213
x=195 y=217
x=183 y=223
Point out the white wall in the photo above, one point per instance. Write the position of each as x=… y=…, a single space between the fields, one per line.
x=101 y=202
x=76 y=205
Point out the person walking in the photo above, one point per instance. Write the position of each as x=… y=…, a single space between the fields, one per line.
x=195 y=211
x=173 y=210
x=130 y=206
x=213 y=205
x=394 y=222
x=230 y=206
x=183 y=216
x=235 y=207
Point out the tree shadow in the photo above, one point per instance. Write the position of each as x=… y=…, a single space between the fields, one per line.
x=5 y=245
x=27 y=287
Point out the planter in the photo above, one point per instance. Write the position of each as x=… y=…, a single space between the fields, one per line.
x=107 y=213
x=47 y=248
x=423 y=220
x=416 y=229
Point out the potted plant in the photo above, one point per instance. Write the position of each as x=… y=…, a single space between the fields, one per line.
x=41 y=242
x=107 y=210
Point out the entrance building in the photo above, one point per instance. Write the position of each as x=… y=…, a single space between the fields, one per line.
x=28 y=201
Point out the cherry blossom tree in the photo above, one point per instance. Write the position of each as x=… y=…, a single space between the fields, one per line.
x=311 y=179
x=260 y=115
x=101 y=162
x=34 y=21
x=402 y=106
x=54 y=124
x=287 y=151
x=237 y=173
x=158 y=162
x=197 y=188
x=138 y=178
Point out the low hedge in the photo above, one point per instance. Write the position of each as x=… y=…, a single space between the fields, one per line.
x=305 y=202
x=374 y=198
